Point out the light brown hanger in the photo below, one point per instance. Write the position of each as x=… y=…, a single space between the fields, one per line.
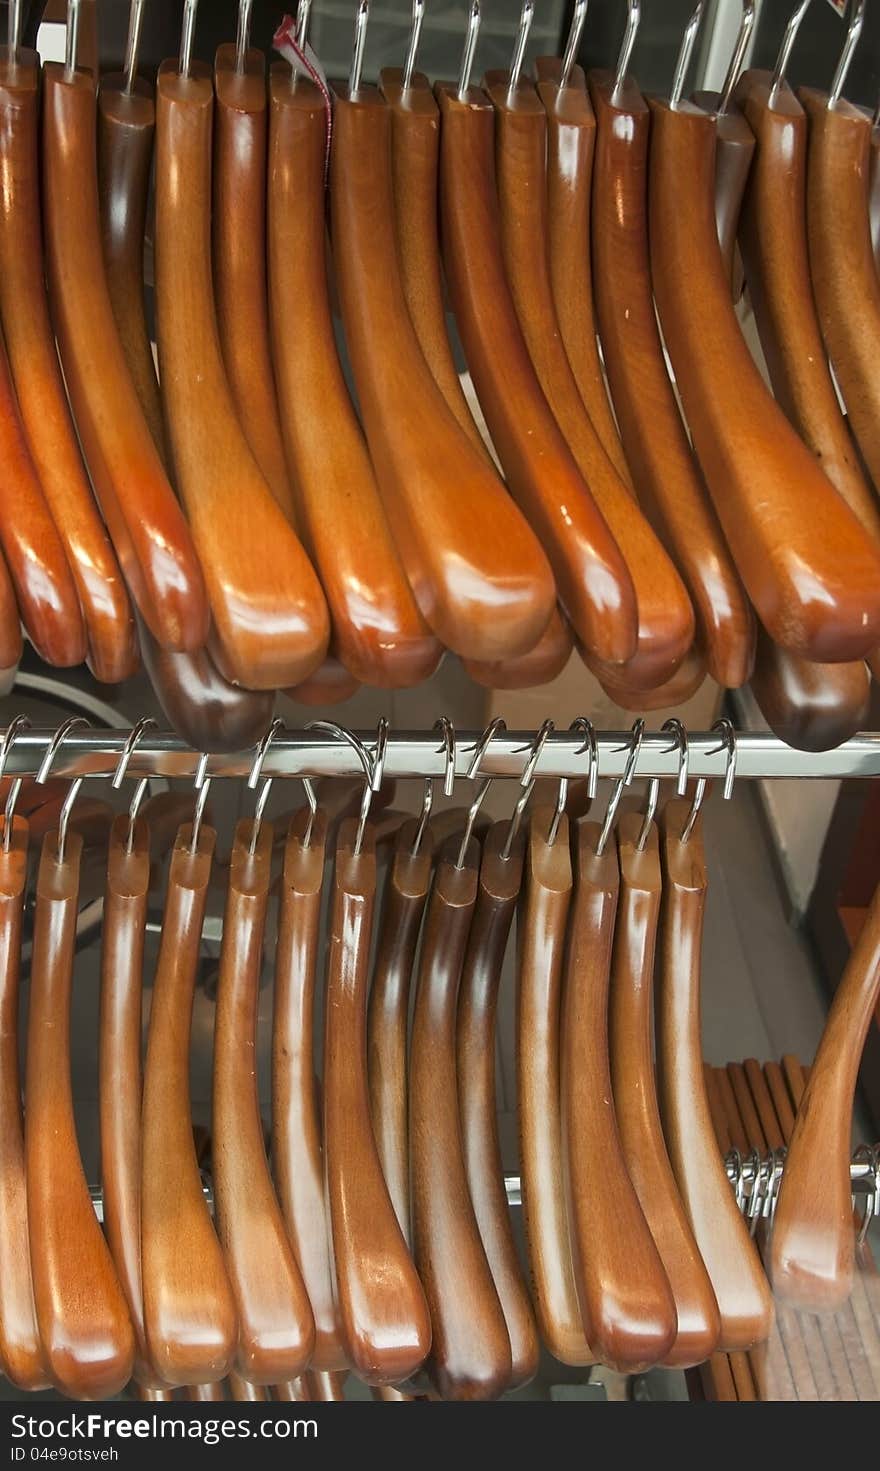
x=331 y=684
x=379 y=635
x=470 y=1357
x=545 y=662
x=189 y=1308
x=721 y=1234
x=11 y=642
x=500 y=883
x=809 y=567
x=385 y=1321
x=683 y=685
x=813 y=707
x=297 y=1159
x=668 y=483
x=270 y=618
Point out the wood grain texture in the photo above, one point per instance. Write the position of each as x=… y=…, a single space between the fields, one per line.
x=189 y=1308
x=498 y=890
x=545 y=662
x=734 y=154
x=276 y=1332
x=145 y=522
x=385 y=1321
x=722 y=1236
x=470 y=1356
x=813 y=707
x=479 y=576
x=379 y=636
x=809 y=567
x=331 y=684
x=668 y=483
x=85 y=1331
x=297 y=1151
x=270 y=617
x=625 y=1296
x=21 y=1353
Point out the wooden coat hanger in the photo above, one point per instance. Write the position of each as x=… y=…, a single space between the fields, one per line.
x=200 y=704
x=734 y=152
x=331 y=684
x=813 y=707
x=379 y=635
x=11 y=643
x=722 y=1236
x=270 y=619
x=189 y=1308
x=500 y=882
x=276 y=1327
x=683 y=685
x=631 y=1049
x=385 y=1321
x=545 y=662
x=470 y=1357
x=809 y=567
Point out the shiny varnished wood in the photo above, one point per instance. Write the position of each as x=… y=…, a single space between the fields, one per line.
x=145 y=522
x=85 y=1330
x=200 y=704
x=683 y=685
x=813 y=707
x=541 y=665
x=189 y=1308
x=331 y=684
x=811 y=571
x=379 y=636
x=734 y=152
x=479 y=576
x=667 y=481
x=470 y=1355
x=270 y=617
x=10 y=630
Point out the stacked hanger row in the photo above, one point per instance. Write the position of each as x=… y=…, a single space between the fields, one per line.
x=379 y=1239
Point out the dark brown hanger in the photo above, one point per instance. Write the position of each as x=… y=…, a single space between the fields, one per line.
x=813 y=707
x=734 y=153
x=10 y=629
x=205 y=709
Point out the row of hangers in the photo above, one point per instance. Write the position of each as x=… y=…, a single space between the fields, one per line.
x=564 y=206
x=379 y=1239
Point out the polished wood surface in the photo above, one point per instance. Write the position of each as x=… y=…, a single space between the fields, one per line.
x=683 y=685
x=545 y=662
x=625 y=1296
x=189 y=1308
x=874 y=194
x=812 y=1249
x=571 y=143
x=146 y=524
x=297 y=1157
x=10 y=630
x=810 y=569
x=667 y=480
x=379 y=636
x=470 y=1356
x=21 y=1353
x=42 y=401
x=722 y=1236
x=631 y=1050
x=498 y=890
x=406 y=893
x=85 y=1331
x=385 y=1321
x=813 y=707
x=202 y=706
x=331 y=684
x=734 y=154
x=119 y=1066
x=241 y=131
x=270 y=617
x=479 y=576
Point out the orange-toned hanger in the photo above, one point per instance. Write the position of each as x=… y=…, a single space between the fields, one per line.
x=205 y=709
x=813 y=707
x=10 y=630
x=734 y=149
x=270 y=619
x=543 y=663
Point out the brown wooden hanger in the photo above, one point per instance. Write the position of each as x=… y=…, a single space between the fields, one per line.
x=330 y=685
x=189 y=1308
x=10 y=630
x=297 y=1157
x=480 y=578
x=276 y=1327
x=270 y=618
x=385 y=1321
x=205 y=709
x=631 y=1049
x=687 y=679
x=545 y=662
x=500 y=882
x=470 y=1356
x=722 y=1236
x=667 y=481
x=379 y=635
x=734 y=152
x=809 y=567
x=813 y=707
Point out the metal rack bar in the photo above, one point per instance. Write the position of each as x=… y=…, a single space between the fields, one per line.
x=95 y=754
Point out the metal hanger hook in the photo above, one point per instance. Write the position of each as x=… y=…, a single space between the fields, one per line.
x=303 y=16
x=591 y=745
x=412 y=50
x=243 y=34
x=853 y=33
x=633 y=21
x=634 y=747
x=527 y=781
x=10 y=736
x=650 y=813
x=44 y=772
x=133 y=43
x=746 y=26
x=685 y=52
x=13 y=31
x=785 y=50
x=572 y=45
x=526 y=16
x=137 y=734
x=473 y=772
x=255 y=774
x=516 y=821
x=448 y=730
x=361 y=21
x=470 y=48
x=186 y=36
x=71 y=40
x=202 y=785
x=363 y=756
x=684 y=754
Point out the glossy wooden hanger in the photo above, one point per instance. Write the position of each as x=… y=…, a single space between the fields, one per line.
x=687 y=679
x=205 y=709
x=385 y=1321
x=813 y=707
x=543 y=663
x=470 y=1356
x=668 y=483
x=809 y=567
x=379 y=635
x=722 y=1236
x=631 y=1049
x=500 y=883
x=276 y=1327
x=270 y=617
x=482 y=602
x=145 y=522
x=10 y=630
x=189 y=1308
x=812 y=1248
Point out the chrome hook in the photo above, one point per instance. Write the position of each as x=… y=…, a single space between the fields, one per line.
x=303 y=15
x=473 y=772
x=133 y=43
x=684 y=754
x=357 y=55
x=746 y=26
x=729 y=742
x=13 y=32
x=470 y=48
x=527 y=781
x=138 y=731
x=572 y=45
x=412 y=50
x=255 y=774
x=785 y=50
x=202 y=785
x=685 y=52
x=10 y=736
x=591 y=745
x=853 y=33
x=633 y=21
x=42 y=777
x=363 y=756
x=71 y=39
x=186 y=41
x=243 y=34
x=527 y=15
x=634 y=747
x=448 y=730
